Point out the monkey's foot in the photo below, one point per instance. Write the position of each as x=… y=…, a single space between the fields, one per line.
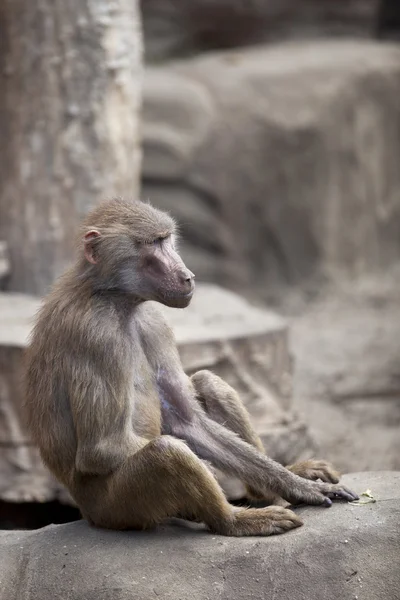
x=262 y=521
x=315 y=469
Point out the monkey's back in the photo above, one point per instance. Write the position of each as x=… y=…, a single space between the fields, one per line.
x=71 y=347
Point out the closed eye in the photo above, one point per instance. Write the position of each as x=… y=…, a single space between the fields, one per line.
x=151 y=242
x=158 y=241
x=155 y=241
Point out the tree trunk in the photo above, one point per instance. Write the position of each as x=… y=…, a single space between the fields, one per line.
x=70 y=81
x=389 y=19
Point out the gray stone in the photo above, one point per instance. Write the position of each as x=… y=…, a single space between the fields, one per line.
x=280 y=163
x=345 y=552
x=220 y=331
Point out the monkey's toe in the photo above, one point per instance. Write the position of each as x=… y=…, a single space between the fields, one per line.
x=325 y=471
x=316 y=469
x=283 y=519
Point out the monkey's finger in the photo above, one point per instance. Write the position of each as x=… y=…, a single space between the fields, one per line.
x=326 y=500
x=329 y=492
x=341 y=493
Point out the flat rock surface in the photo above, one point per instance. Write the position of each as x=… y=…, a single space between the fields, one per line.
x=345 y=552
x=214 y=313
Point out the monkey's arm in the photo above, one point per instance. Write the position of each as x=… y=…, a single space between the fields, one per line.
x=184 y=418
x=226 y=451
x=100 y=417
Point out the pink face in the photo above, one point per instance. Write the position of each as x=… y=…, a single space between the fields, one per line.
x=162 y=268
x=155 y=271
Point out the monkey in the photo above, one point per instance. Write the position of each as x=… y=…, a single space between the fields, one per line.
x=115 y=417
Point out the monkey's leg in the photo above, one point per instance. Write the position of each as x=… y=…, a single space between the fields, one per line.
x=164 y=479
x=222 y=403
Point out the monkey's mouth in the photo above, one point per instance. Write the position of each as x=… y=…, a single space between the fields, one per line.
x=176 y=295
x=179 y=296
x=177 y=299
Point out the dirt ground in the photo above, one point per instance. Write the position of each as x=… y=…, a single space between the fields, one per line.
x=346 y=344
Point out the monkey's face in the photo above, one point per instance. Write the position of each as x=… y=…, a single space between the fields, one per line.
x=147 y=270
x=132 y=250
x=161 y=274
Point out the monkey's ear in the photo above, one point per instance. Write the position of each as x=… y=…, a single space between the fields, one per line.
x=89 y=240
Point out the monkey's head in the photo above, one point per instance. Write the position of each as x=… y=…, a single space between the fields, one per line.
x=129 y=247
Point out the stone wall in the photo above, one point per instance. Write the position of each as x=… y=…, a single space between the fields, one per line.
x=280 y=163
x=175 y=28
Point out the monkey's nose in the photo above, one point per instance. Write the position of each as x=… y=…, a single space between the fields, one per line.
x=187 y=278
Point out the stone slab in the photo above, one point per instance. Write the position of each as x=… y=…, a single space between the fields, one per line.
x=346 y=552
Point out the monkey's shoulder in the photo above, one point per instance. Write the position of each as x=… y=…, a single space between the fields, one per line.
x=80 y=326
x=155 y=334
x=151 y=321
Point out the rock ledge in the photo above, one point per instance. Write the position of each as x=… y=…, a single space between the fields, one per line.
x=345 y=552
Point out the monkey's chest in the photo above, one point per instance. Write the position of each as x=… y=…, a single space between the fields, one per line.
x=146 y=409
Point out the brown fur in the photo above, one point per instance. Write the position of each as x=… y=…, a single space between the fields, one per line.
x=115 y=417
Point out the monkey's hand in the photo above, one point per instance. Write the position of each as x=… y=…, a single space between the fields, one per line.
x=307 y=469
x=314 y=470
x=319 y=493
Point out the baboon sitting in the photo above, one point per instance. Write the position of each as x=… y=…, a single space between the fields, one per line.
x=118 y=421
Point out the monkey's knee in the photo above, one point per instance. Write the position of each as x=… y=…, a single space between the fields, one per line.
x=205 y=382
x=178 y=462
x=169 y=445
x=211 y=387
x=223 y=404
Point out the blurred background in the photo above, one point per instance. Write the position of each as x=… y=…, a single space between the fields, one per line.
x=271 y=130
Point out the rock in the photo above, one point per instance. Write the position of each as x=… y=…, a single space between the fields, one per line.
x=219 y=331
x=22 y=475
x=345 y=552
x=280 y=163
x=178 y=28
